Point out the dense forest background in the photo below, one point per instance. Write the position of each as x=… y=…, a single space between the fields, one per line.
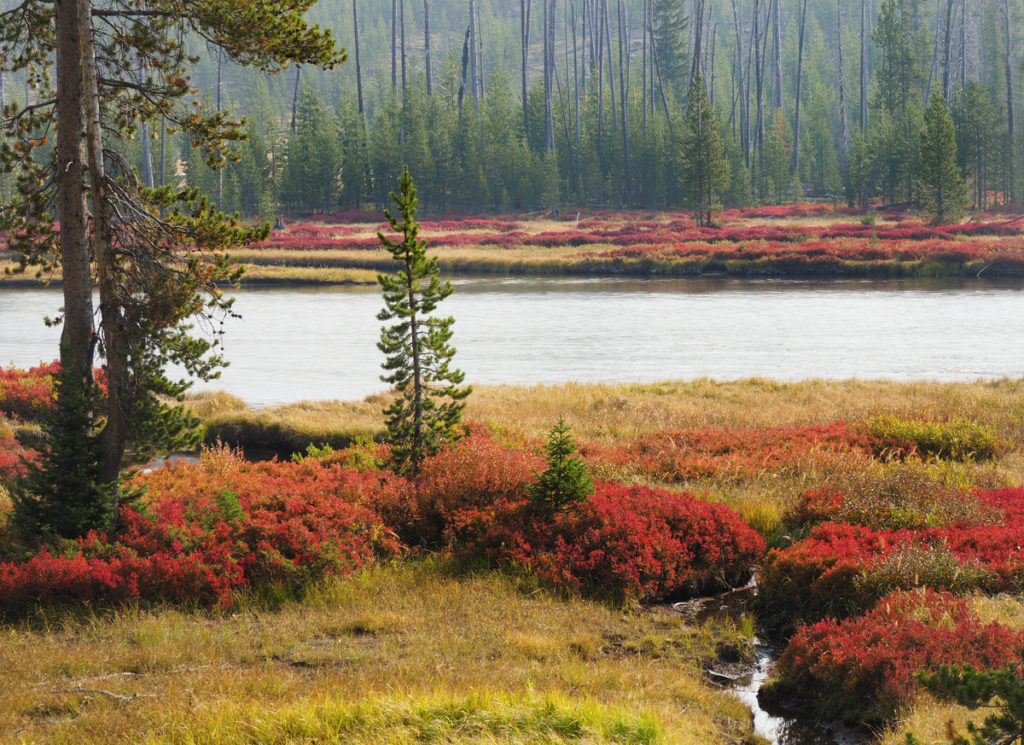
x=820 y=99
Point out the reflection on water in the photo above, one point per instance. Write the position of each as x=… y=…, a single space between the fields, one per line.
x=293 y=344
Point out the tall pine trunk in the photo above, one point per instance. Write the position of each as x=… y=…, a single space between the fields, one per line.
x=799 y=83
x=77 y=331
x=426 y=46
x=359 y=68
x=1004 y=8
x=524 y=38
x=844 y=134
x=863 y=66
x=777 y=67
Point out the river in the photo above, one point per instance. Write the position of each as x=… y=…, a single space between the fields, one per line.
x=299 y=343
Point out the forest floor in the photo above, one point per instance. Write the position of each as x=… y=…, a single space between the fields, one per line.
x=804 y=240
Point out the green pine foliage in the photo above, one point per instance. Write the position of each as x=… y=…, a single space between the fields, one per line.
x=429 y=405
x=705 y=171
x=939 y=183
x=63 y=495
x=566 y=480
x=1001 y=690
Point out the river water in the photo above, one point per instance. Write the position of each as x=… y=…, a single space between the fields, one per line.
x=292 y=344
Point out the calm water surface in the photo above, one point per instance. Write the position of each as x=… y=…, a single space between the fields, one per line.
x=293 y=344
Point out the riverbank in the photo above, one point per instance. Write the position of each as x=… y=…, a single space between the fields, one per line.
x=800 y=241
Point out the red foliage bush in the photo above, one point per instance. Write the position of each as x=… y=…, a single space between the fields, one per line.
x=27 y=393
x=13 y=457
x=863 y=669
x=633 y=542
x=841 y=569
x=207 y=528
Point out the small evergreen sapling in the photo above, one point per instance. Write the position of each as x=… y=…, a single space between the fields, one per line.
x=1001 y=690
x=566 y=481
x=430 y=402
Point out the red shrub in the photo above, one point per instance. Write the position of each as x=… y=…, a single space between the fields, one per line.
x=12 y=458
x=863 y=669
x=207 y=528
x=27 y=393
x=841 y=569
x=634 y=542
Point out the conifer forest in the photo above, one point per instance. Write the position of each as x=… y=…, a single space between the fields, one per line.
x=515 y=106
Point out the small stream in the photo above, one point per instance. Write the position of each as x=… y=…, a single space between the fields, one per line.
x=745 y=680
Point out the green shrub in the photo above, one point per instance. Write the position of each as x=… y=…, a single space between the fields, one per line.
x=566 y=480
x=957 y=439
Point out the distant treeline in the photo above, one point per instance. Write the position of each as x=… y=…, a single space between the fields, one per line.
x=814 y=98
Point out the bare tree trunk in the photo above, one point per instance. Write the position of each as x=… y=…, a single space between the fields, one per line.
x=661 y=81
x=576 y=85
x=401 y=27
x=359 y=67
x=220 y=88
x=295 y=97
x=758 y=73
x=777 y=68
x=1004 y=9
x=963 y=44
x=624 y=100
x=426 y=46
x=744 y=132
x=524 y=37
x=945 y=54
x=472 y=56
x=477 y=33
x=643 y=74
x=608 y=49
x=863 y=66
x=549 y=72
x=77 y=331
x=799 y=83
x=394 y=45
x=844 y=134
x=163 y=151
x=698 y=31
x=711 y=86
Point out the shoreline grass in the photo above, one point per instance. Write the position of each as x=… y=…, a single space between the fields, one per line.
x=381 y=656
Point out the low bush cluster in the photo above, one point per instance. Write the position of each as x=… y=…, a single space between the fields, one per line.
x=635 y=541
x=862 y=669
x=958 y=439
x=203 y=530
x=27 y=394
x=712 y=453
x=841 y=569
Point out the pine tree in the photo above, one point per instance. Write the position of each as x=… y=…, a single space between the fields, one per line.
x=705 y=171
x=429 y=405
x=566 y=480
x=939 y=182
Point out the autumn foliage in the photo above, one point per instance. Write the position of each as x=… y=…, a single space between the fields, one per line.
x=863 y=669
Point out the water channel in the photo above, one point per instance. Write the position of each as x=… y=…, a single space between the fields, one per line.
x=297 y=343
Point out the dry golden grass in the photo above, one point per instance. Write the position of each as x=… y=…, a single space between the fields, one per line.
x=319 y=274
x=398 y=639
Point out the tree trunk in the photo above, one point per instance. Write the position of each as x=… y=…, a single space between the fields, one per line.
x=624 y=101
x=472 y=57
x=77 y=331
x=114 y=437
x=295 y=98
x=426 y=46
x=963 y=44
x=359 y=68
x=608 y=49
x=549 y=124
x=478 y=34
x=758 y=73
x=401 y=28
x=799 y=83
x=1004 y=8
x=863 y=67
x=844 y=135
x=394 y=45
x=698 y=33
x=777 y=67
x=744 y=132
x=643 y=74
x=524 y=37
x=946 y=89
